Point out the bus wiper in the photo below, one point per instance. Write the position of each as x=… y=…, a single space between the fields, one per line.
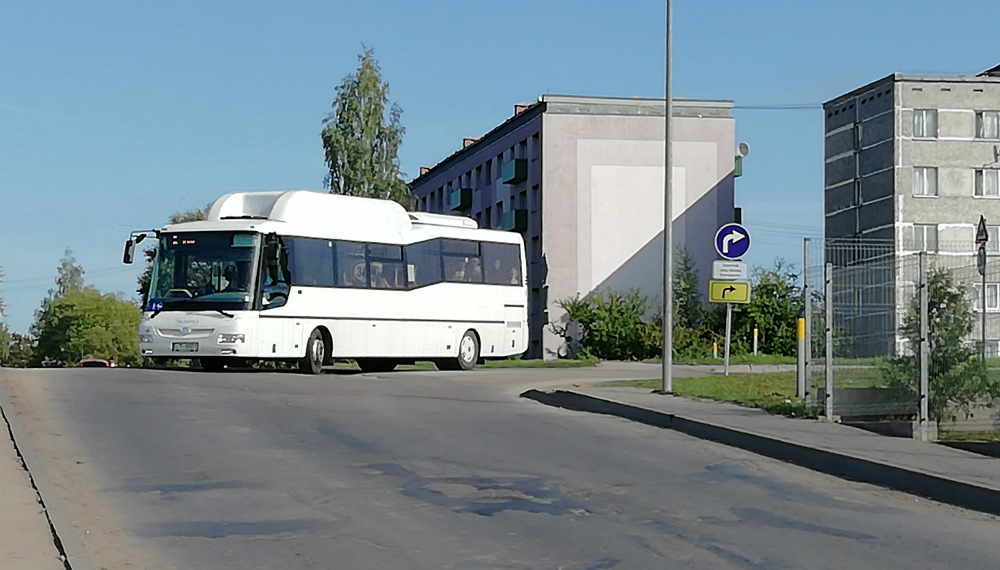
x=221 y=312
x=156 y=312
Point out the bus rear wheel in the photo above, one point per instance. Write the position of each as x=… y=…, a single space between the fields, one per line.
x=468 y=354
x=376 y=364
x=312 y=362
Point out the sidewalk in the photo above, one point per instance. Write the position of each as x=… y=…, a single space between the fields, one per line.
x=27 y=539
x=934 y=471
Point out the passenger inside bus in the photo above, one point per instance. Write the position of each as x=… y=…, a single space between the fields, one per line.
x=236 y=278
x=378 y=278
x=475 y=274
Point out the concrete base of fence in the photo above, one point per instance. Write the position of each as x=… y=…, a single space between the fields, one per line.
x=898 y=428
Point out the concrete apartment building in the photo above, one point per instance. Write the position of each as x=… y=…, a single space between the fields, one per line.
x=911 y=163
x=581 y=178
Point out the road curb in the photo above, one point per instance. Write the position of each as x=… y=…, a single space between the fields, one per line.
x=935 y=487
x=63 y=533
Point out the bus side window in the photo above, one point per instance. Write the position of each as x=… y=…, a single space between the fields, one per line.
x=425 y=260
x=462 y=262
x=275 y=283
x=311 y=261
x=503 y=263
x=352 y=265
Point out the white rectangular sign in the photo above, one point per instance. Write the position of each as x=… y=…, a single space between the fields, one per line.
x=723 y=270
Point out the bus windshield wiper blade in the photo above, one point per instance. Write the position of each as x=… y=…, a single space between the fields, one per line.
x=221 y=312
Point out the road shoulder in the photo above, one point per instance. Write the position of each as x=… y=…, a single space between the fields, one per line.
x=24 y=525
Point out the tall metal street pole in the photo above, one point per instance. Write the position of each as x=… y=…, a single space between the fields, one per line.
x=667 y=384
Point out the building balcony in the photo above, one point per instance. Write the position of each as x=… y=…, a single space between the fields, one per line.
x=460 y=199
x=514 y=171
x=514 y=220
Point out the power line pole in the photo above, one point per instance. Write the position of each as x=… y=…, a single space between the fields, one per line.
x=667 y=384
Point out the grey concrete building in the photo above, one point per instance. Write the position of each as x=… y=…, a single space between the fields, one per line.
x=581 y=178
x=911 y=163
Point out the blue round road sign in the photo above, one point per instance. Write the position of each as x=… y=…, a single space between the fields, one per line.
x=732 y=241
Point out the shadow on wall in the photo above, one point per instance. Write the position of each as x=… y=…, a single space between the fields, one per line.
x=694 y=230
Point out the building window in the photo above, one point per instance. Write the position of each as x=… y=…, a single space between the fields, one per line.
x=992 y=297
x=488 y=218
x=993 y=245
x=536 y=198
x=924 y=237
x=988 y=125
x=988 y=183
x=924 y=181
x=536 y=249
x=925 y=123
x=536 y=149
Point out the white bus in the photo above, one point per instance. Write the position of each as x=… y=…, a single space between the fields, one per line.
x=310 y=277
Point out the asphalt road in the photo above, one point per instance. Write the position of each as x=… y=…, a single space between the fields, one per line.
x=172 y=469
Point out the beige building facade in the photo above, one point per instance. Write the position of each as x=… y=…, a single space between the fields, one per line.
x=581 y=178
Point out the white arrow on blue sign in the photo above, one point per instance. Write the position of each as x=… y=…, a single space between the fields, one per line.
x=732 y=241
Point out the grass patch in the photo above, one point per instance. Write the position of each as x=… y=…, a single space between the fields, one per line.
x=734 y=359
x=506 y=363
x=561 y=363
x=969 y=436
x=774 y=392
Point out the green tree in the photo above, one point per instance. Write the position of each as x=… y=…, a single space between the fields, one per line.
x=86 y=324
x=4 y=333
x=688 y=307
x=957 y=375
x=70 y=275
x=774 y=308
x=69 y=278
x=361 y=137
x=22 y=347
x=150 y=252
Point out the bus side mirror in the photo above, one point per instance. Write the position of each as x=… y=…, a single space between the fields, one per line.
x=129 y=254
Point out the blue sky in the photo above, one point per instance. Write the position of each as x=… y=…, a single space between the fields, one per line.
x=115 y=114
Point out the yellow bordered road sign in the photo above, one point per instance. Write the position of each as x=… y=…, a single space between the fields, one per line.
x=729 y=291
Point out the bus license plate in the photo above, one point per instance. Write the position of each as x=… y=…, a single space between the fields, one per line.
x=185 y=347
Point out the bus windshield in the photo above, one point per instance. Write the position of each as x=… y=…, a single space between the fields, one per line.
x=204 y=271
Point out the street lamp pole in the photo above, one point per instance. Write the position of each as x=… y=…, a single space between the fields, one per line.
x=667 y=383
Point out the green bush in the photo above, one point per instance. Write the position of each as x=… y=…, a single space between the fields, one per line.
x=615 y=326
x=621 y=326
x=86 y=324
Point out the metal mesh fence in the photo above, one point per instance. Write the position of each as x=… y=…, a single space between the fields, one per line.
x=866 y=328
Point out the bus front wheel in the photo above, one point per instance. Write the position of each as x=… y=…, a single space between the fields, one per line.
x=468 y=354
x=312 y=363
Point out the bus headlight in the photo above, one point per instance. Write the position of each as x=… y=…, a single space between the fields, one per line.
x=231 y=339
x=145 y=338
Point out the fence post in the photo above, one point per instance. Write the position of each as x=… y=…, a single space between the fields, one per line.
x=924 y=348
x=807 y=303
x=800 y=368
x=828 y=399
